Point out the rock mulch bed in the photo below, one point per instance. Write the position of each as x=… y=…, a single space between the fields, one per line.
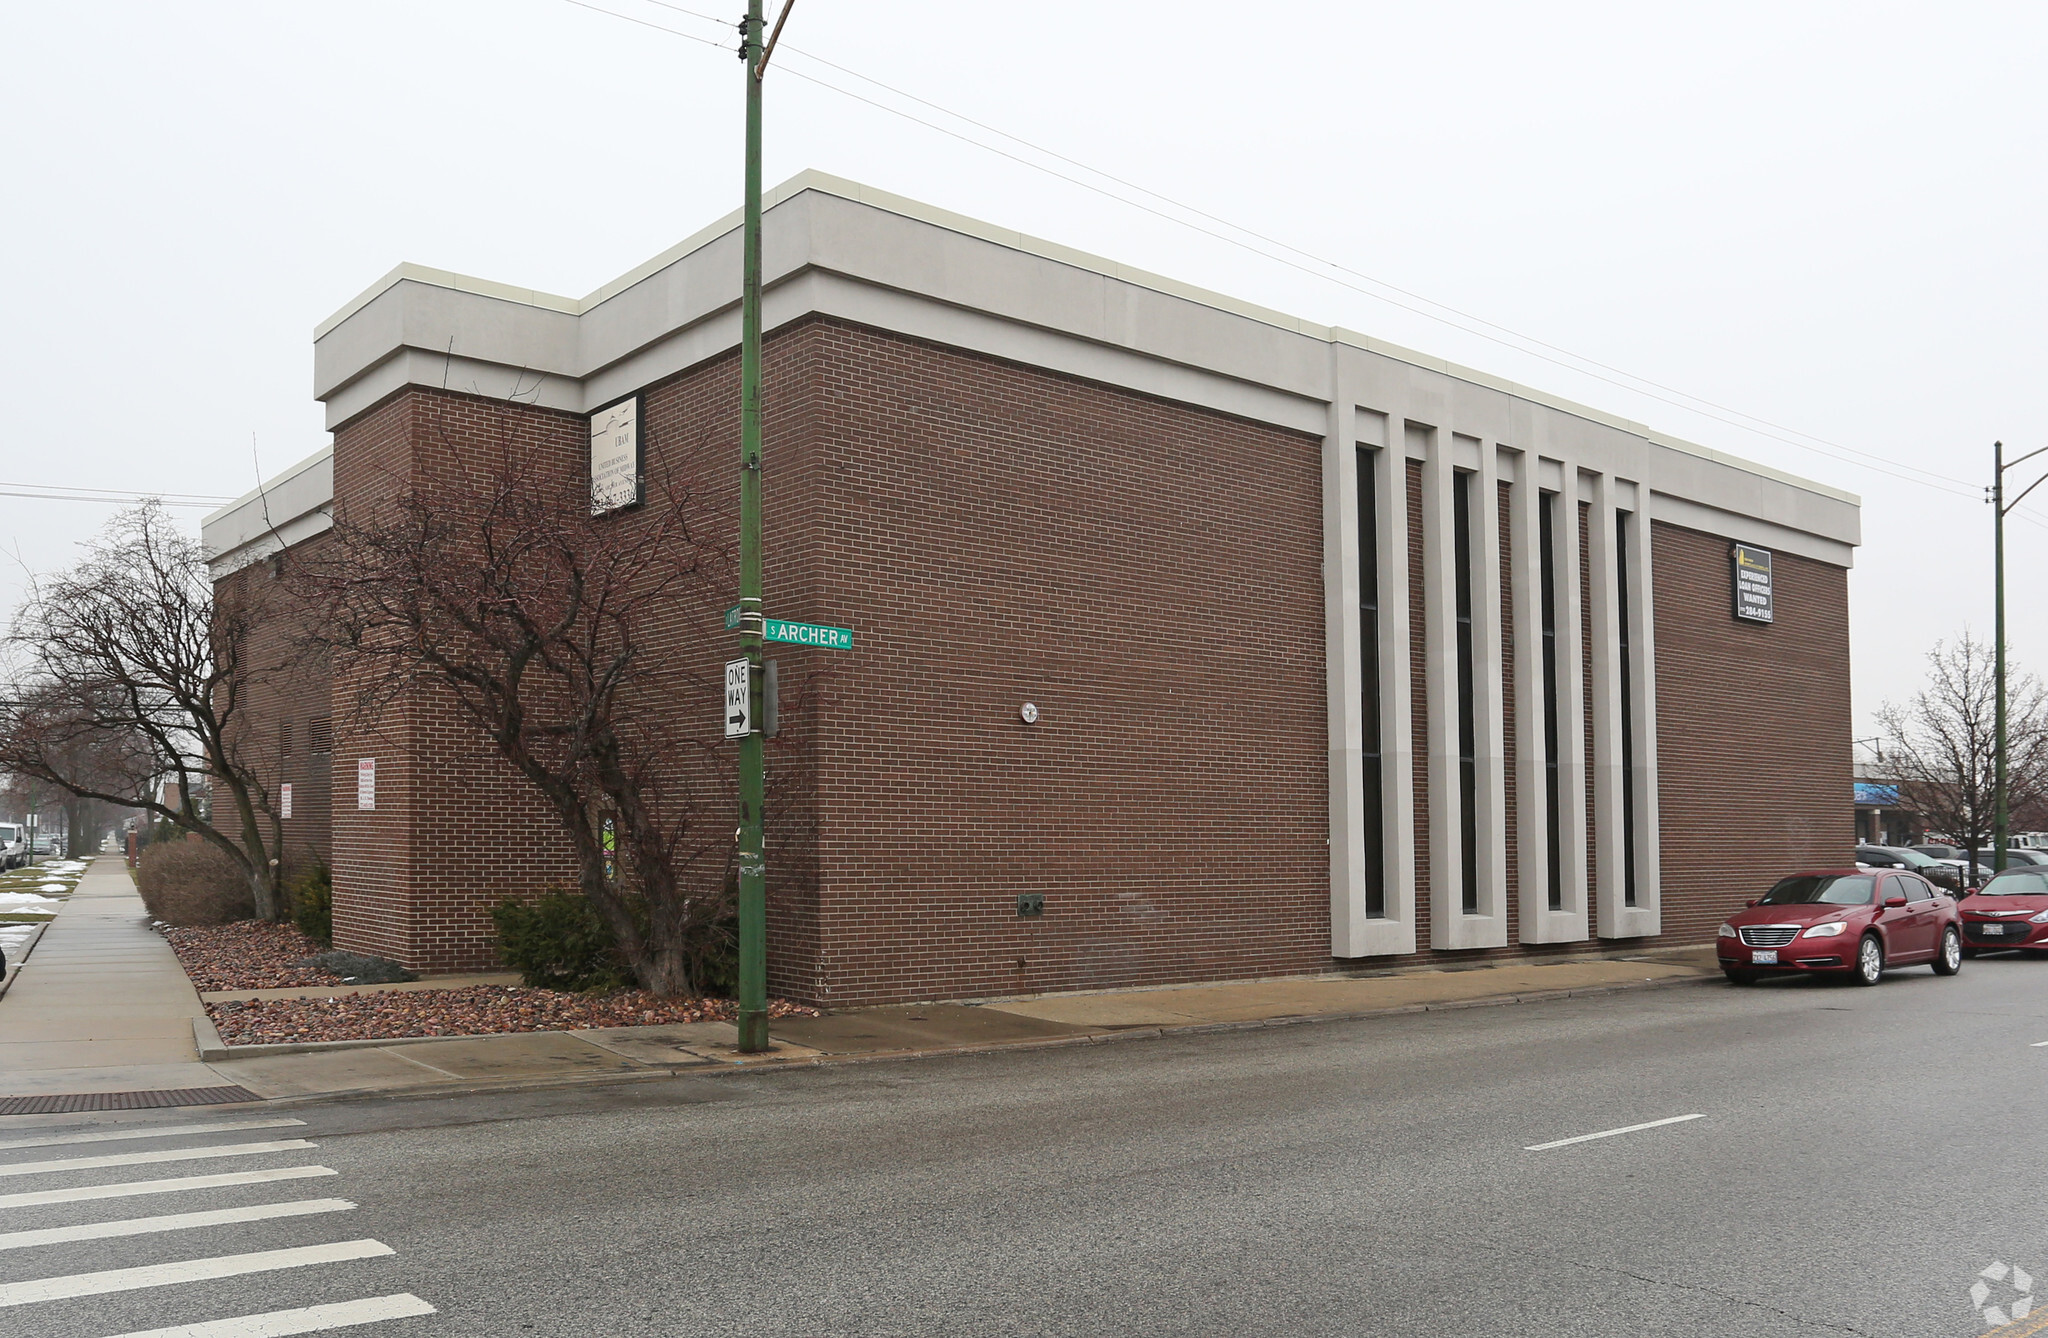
x=247 y=955
x=473 y=1010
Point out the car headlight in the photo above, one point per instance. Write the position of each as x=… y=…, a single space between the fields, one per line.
x=1828 y=930
x=1727 y=931
x=2041 y=919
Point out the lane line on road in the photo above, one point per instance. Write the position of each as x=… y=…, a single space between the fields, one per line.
x=152 y=1131
x=190 y=1270
x=145 y=1158
x=1610 y=1133
x=2038 y=1044
x=310 y=1319
x=127 y=1188
x=143 y=1226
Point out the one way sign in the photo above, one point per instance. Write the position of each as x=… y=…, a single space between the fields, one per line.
x=739 y=700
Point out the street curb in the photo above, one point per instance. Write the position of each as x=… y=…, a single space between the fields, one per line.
x=20 y=959
x=715 y=1068
x=206 y=1039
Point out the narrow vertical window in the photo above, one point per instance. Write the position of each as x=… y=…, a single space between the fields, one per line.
x=1468 y=761
x=1369 y=672
x=1552 y=794
x=1628 y=721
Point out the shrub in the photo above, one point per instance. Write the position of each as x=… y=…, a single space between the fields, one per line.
x=192 y=883
x=559 y=942
x=310 y=896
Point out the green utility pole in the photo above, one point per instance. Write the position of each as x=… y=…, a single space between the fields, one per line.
x=752 y=855
x=1999 y=507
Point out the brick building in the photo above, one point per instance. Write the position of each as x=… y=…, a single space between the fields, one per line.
x=1339 y=654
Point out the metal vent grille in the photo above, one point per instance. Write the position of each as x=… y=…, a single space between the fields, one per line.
x=1769 y=936
x=320 y=734
x=63 y=1103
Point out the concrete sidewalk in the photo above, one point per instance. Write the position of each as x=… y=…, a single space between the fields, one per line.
x=101 y=1004
x=103 y=1007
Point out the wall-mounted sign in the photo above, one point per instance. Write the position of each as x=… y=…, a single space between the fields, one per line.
x=284 y=800
x=1872 y=795
x=615 y=456
x=1752 y=584
x=366 y=782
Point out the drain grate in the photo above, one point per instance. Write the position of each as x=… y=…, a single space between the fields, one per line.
x=66 y=1102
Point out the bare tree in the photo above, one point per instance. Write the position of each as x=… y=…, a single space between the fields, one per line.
x=130 y=683
x=1940 y=745
x=557 y=634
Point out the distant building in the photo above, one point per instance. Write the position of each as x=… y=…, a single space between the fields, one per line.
x=1339 y=654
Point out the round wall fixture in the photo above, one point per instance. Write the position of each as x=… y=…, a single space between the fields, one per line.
x=1028 y=713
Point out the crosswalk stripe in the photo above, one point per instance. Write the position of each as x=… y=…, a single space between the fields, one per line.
x=127 y=1188
x=189 y=1270
x=145 y=1131
x=310 y=1319
x=144 y=1158
x=143 y=1226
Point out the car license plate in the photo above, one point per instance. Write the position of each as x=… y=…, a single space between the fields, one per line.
x=1995 y=929
x=1763 y=956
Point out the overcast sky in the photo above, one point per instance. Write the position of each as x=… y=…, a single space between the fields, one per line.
x=1828 y=217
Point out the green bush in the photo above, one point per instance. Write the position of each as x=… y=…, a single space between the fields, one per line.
x=559 y=942
x=310 y=899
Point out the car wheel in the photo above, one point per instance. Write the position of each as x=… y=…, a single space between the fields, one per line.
x=1739 y=977
x=1950 y=959
x=1869 y=961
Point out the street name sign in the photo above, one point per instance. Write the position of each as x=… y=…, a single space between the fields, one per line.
x=739 y=699
x=807 y=634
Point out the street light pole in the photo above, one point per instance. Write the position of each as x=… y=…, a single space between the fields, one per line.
x=1999 y=507
x=752 y=853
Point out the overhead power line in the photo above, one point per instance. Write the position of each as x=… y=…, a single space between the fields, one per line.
x=61 y=493
x=1331 y=270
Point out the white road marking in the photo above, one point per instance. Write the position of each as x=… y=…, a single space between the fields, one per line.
x=131 y=1187
x=1609 y=1133
x=311 y=1319
x=146 y=1131
x=2037 y=1045
x=144 y=1158
x=190 y=1270
x=143 y=1226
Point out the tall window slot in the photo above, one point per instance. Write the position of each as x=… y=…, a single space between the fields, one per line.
x=1628 y=720
x=1552 y=829
x=1369 y=667
x=1468 y=761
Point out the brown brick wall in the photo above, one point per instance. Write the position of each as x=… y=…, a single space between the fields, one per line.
x=1753 y=729
x=279 y=707
x=1150 y=576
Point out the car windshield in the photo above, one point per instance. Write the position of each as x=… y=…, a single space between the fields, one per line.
x=2017 y=883
x=1834 y=889
x=9 y=832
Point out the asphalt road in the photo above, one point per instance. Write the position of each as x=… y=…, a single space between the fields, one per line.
x=1860 y=1156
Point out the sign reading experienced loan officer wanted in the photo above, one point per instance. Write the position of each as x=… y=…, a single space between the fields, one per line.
x=1752 y=584
x=615 y=456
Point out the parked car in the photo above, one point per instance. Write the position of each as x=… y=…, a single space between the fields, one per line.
x=1974 y=875
x=1853 y=922
x=13 y=849
x=2014 y=856
x=2011 y=912
x=1940 y=851
x=1948 y=876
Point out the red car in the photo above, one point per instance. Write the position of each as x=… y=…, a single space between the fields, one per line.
x=2011 y=912
x=1855 y=921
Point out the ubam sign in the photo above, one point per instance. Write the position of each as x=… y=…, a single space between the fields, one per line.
x=615 y=456
x=1753 y=598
